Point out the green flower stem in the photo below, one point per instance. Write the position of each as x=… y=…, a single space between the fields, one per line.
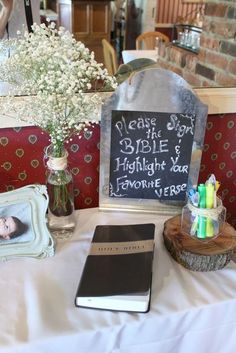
x=59 y=184
x=60 y=202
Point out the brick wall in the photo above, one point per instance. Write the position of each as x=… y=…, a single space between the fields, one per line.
x=215 y=64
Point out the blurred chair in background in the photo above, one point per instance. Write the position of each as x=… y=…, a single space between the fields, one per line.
x=147 y=40
x=110 y=58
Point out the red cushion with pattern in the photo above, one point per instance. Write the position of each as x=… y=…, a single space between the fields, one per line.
x=22 y=162
x=219 y=157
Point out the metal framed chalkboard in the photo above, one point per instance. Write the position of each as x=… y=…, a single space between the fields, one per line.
x=152 y=133
x=150 y=154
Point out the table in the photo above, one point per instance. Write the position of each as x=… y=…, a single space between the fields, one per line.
x=50 y=14
x=190 y=311
x=128 y=55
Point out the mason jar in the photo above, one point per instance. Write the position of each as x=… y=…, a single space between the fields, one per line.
x=203 y=224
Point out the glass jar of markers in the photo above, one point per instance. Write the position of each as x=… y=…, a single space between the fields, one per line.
x=204 y=215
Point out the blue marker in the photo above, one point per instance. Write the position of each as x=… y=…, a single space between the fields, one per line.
x=193 y=197
x=191 y=192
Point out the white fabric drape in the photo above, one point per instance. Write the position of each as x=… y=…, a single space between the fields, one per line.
x=190 y=311
x=129 y=55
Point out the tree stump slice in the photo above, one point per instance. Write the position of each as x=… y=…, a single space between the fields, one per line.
x=197 y=255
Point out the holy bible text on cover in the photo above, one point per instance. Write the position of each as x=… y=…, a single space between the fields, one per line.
x=118 y=270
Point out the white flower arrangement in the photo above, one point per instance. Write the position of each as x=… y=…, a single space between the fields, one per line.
x=56 y=71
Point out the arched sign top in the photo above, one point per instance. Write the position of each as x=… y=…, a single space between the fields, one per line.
x=152 y=133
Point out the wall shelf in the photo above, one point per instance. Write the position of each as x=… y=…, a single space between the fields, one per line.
x=192 y=50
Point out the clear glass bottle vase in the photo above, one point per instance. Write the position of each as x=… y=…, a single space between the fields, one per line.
x=59 y=181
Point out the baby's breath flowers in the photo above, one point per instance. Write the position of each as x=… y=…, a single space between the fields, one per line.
x=56 y=71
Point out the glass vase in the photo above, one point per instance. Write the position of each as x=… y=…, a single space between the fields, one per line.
x=61 y=217
x=203 y=224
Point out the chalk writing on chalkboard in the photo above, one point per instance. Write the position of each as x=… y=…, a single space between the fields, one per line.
x=150 y=154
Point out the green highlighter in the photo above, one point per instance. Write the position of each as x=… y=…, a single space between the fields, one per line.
x=201 y=230
x=209 y=204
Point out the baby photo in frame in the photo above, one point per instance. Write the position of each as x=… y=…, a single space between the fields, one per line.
x=15 y=223
x=23 y=228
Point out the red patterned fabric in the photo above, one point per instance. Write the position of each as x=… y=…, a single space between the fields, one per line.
x=219 y=158
x=21 y=161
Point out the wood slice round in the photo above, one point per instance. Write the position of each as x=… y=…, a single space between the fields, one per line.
x=195 y=254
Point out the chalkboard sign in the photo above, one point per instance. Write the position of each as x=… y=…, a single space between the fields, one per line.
x=150 y=154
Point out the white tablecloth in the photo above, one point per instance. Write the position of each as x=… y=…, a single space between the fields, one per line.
x=129 y=55
x=190 y=311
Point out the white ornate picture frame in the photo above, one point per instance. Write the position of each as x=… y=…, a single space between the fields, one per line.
x=29 y=205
